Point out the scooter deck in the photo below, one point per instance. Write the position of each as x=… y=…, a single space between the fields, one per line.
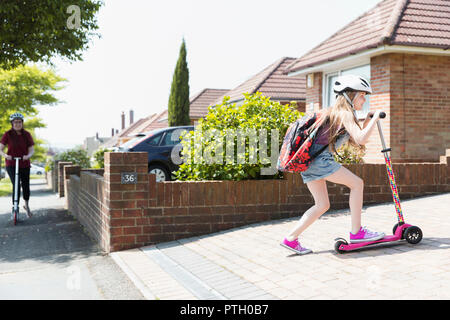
x=396 y=237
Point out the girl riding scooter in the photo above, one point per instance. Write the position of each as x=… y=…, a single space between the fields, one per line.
x=20 y=144
x=351 y=91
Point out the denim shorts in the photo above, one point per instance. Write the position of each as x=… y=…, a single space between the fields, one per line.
x=324 y=164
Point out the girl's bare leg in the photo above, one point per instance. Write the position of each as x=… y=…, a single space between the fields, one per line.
x=356 y=185
x=318 y=189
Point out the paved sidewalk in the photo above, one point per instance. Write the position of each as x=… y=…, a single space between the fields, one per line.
x=248 y=262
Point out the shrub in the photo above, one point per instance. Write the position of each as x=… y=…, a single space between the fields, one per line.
x=212 y=151
x=77 y=156
x=349 y=154
x=99 y=157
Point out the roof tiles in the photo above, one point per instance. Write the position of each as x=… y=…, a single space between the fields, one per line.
x=271 y=82
x=423 y=23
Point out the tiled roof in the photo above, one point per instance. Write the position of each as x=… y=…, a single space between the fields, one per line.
x=157 y=122
x=199 y=104
x=271 y=82
x=421 y=23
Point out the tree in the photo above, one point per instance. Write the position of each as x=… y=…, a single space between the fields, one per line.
x=178 y=109
x=21 y=89
x=35 y=31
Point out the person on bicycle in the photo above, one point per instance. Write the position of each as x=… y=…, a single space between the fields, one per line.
x=20 y=144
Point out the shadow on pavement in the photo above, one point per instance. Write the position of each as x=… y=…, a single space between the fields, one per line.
x=51 y=235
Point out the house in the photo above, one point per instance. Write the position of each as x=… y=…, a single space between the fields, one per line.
x=199 y=103
x=272 y=82
x=402 y=47
x=91 y=144
x=198 y=108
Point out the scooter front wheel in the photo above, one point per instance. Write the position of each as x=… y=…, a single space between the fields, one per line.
x=15 y=217
x=413 y=235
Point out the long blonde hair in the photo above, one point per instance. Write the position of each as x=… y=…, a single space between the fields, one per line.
x=335 y=116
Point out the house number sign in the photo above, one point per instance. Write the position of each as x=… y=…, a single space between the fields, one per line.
x=129 y=177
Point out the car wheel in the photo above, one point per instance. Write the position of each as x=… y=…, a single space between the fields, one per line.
x=160 y=172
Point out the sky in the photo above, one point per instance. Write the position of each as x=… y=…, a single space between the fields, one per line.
x=132 y=64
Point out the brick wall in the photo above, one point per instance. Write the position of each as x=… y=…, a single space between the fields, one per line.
x=415 y=93
x=85 y=199
x=60 y=185
x=122 y=216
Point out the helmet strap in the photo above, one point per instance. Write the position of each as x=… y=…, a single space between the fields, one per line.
x=348 y=99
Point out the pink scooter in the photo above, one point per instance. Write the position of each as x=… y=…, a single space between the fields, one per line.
x=401 y=230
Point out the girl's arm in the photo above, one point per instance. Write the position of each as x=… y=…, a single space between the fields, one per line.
x=30 y=153
x=360 y=136
x=4 y=155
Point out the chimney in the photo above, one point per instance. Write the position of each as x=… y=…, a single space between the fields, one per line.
x=112 y=132
x=131 y=117
x=96 y=135
x=123 y=120
x=117 y=131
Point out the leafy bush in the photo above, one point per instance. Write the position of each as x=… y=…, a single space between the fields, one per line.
x=99 y=157
x=213 y=152
x=77 y=156
x=349 y=154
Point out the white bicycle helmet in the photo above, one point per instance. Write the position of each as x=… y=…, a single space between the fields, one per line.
x=353 y=83
x=16 y=116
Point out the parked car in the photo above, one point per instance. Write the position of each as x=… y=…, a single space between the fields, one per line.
x=36 y=170
x=158 y=144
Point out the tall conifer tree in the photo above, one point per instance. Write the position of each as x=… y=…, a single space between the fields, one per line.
x=179 y=92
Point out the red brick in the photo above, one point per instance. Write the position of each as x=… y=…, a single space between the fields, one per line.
x=129 y=204
x=159 y=194
x=134 y=195
x=176 y=194
x=184 y=194
x=132 y=230
x=152 y=185
x=151 y=229
x=200 y=210
x=115 y=213
x=167 y=194
x=113 y=158
x=130 y=239
x=175 y=211
x=127 y=213
x=116 y=231
x=123 y=222
x=153 y=212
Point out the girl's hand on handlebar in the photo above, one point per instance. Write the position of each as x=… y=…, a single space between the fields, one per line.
x=26 y=157
x=8 y=157
x=373 y=114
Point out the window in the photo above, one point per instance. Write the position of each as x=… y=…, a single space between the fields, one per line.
x=154 y=141
x=167 y=140
x=330 y=96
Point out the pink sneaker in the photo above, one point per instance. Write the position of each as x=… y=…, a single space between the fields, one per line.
x=295 y=246
x=365 y=235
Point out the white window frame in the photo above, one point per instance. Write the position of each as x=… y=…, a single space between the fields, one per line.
x=361 y=115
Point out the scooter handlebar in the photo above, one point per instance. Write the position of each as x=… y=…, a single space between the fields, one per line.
x=382 y=115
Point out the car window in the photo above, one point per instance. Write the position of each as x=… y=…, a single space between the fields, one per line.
x=153 y=141
x=167 y=140
x=172 y=137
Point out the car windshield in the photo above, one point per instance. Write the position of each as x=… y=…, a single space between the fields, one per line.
x=133 y=142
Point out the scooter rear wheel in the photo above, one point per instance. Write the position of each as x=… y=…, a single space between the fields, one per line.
x=15 y=217
x=337 y=245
